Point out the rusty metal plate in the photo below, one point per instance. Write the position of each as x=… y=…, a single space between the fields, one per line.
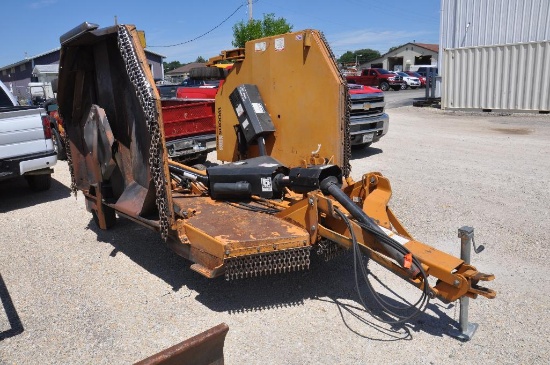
x=237 y=230
x=204 y=349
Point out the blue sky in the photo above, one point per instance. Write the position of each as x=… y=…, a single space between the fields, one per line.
x=33 y=27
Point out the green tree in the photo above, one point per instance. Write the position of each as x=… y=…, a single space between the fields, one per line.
x=367 y=54
x=200 y=59
x=169 y=66
x=254 y=29
x=361 y=55
x=347 y=57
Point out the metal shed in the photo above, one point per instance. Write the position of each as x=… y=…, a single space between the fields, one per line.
x=495 y=54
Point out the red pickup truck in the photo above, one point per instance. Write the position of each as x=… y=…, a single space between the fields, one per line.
x=189 y=129
x=188 y=114
x=377 y=77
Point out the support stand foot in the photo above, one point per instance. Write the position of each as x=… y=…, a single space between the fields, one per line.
x=465 y=334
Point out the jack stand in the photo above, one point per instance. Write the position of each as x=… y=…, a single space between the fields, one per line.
x=467 y=330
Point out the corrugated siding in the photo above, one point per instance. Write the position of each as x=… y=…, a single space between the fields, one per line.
x=471 y=23
x=511 y=77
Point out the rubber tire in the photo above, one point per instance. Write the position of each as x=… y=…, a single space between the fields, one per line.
x=405 y=86
x=206 y=73
x=58 y=145
x=39 y=182
x=110 y=217
x=384 y=86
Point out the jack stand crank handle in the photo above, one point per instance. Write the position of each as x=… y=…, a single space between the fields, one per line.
x=479 y=248
x=467 y=329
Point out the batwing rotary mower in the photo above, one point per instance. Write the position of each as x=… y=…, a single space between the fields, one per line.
x=283 y=133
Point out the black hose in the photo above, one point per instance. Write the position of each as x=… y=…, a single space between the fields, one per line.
x=419 y=306
x=261 y=146
x=329 y=185
x=396 y=251
x=180 y=171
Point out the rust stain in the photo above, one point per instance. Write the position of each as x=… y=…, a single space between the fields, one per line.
x=518 y=131
x=228 y=224
x=224 y=238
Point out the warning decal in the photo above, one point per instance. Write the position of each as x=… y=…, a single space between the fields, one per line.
x=260 y=47
x=266 y=184
x=279 y=44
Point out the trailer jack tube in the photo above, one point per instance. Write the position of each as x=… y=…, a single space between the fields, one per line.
x=467 y=329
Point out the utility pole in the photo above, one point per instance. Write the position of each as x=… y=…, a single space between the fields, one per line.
x=356 y=59
x=249 y=10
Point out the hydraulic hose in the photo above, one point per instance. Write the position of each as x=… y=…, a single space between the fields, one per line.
x=330 y=186
x=180 y=171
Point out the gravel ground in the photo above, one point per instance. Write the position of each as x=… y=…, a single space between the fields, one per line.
x=82 y=295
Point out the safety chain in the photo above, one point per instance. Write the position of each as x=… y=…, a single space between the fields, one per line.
x=67 y=144
x=346 y=169
x=147 y=101
x=293 y=259
x=329 y=249
x=346 y=166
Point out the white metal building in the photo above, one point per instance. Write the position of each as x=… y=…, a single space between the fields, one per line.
x=45 y=73
x=495 y=54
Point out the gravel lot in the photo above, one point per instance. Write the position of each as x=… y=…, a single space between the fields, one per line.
x=87 y=296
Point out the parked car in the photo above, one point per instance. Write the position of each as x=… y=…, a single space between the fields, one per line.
x=377 y=77
x=410 y=81
x=423 y=70
x=196 y=92
x=417 y=75
x=189 y=82
x=199 y=77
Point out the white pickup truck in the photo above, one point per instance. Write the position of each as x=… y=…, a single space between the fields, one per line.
x=26 y=147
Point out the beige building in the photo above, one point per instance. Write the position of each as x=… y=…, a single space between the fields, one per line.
x=409 y=56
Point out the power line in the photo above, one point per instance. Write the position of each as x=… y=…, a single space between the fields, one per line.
x=206 y=33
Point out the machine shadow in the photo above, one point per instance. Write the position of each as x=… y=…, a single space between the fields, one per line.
x=16 y=194
x=16 y=327
x=331 y=282
x=436 y=324
x=359 y=153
